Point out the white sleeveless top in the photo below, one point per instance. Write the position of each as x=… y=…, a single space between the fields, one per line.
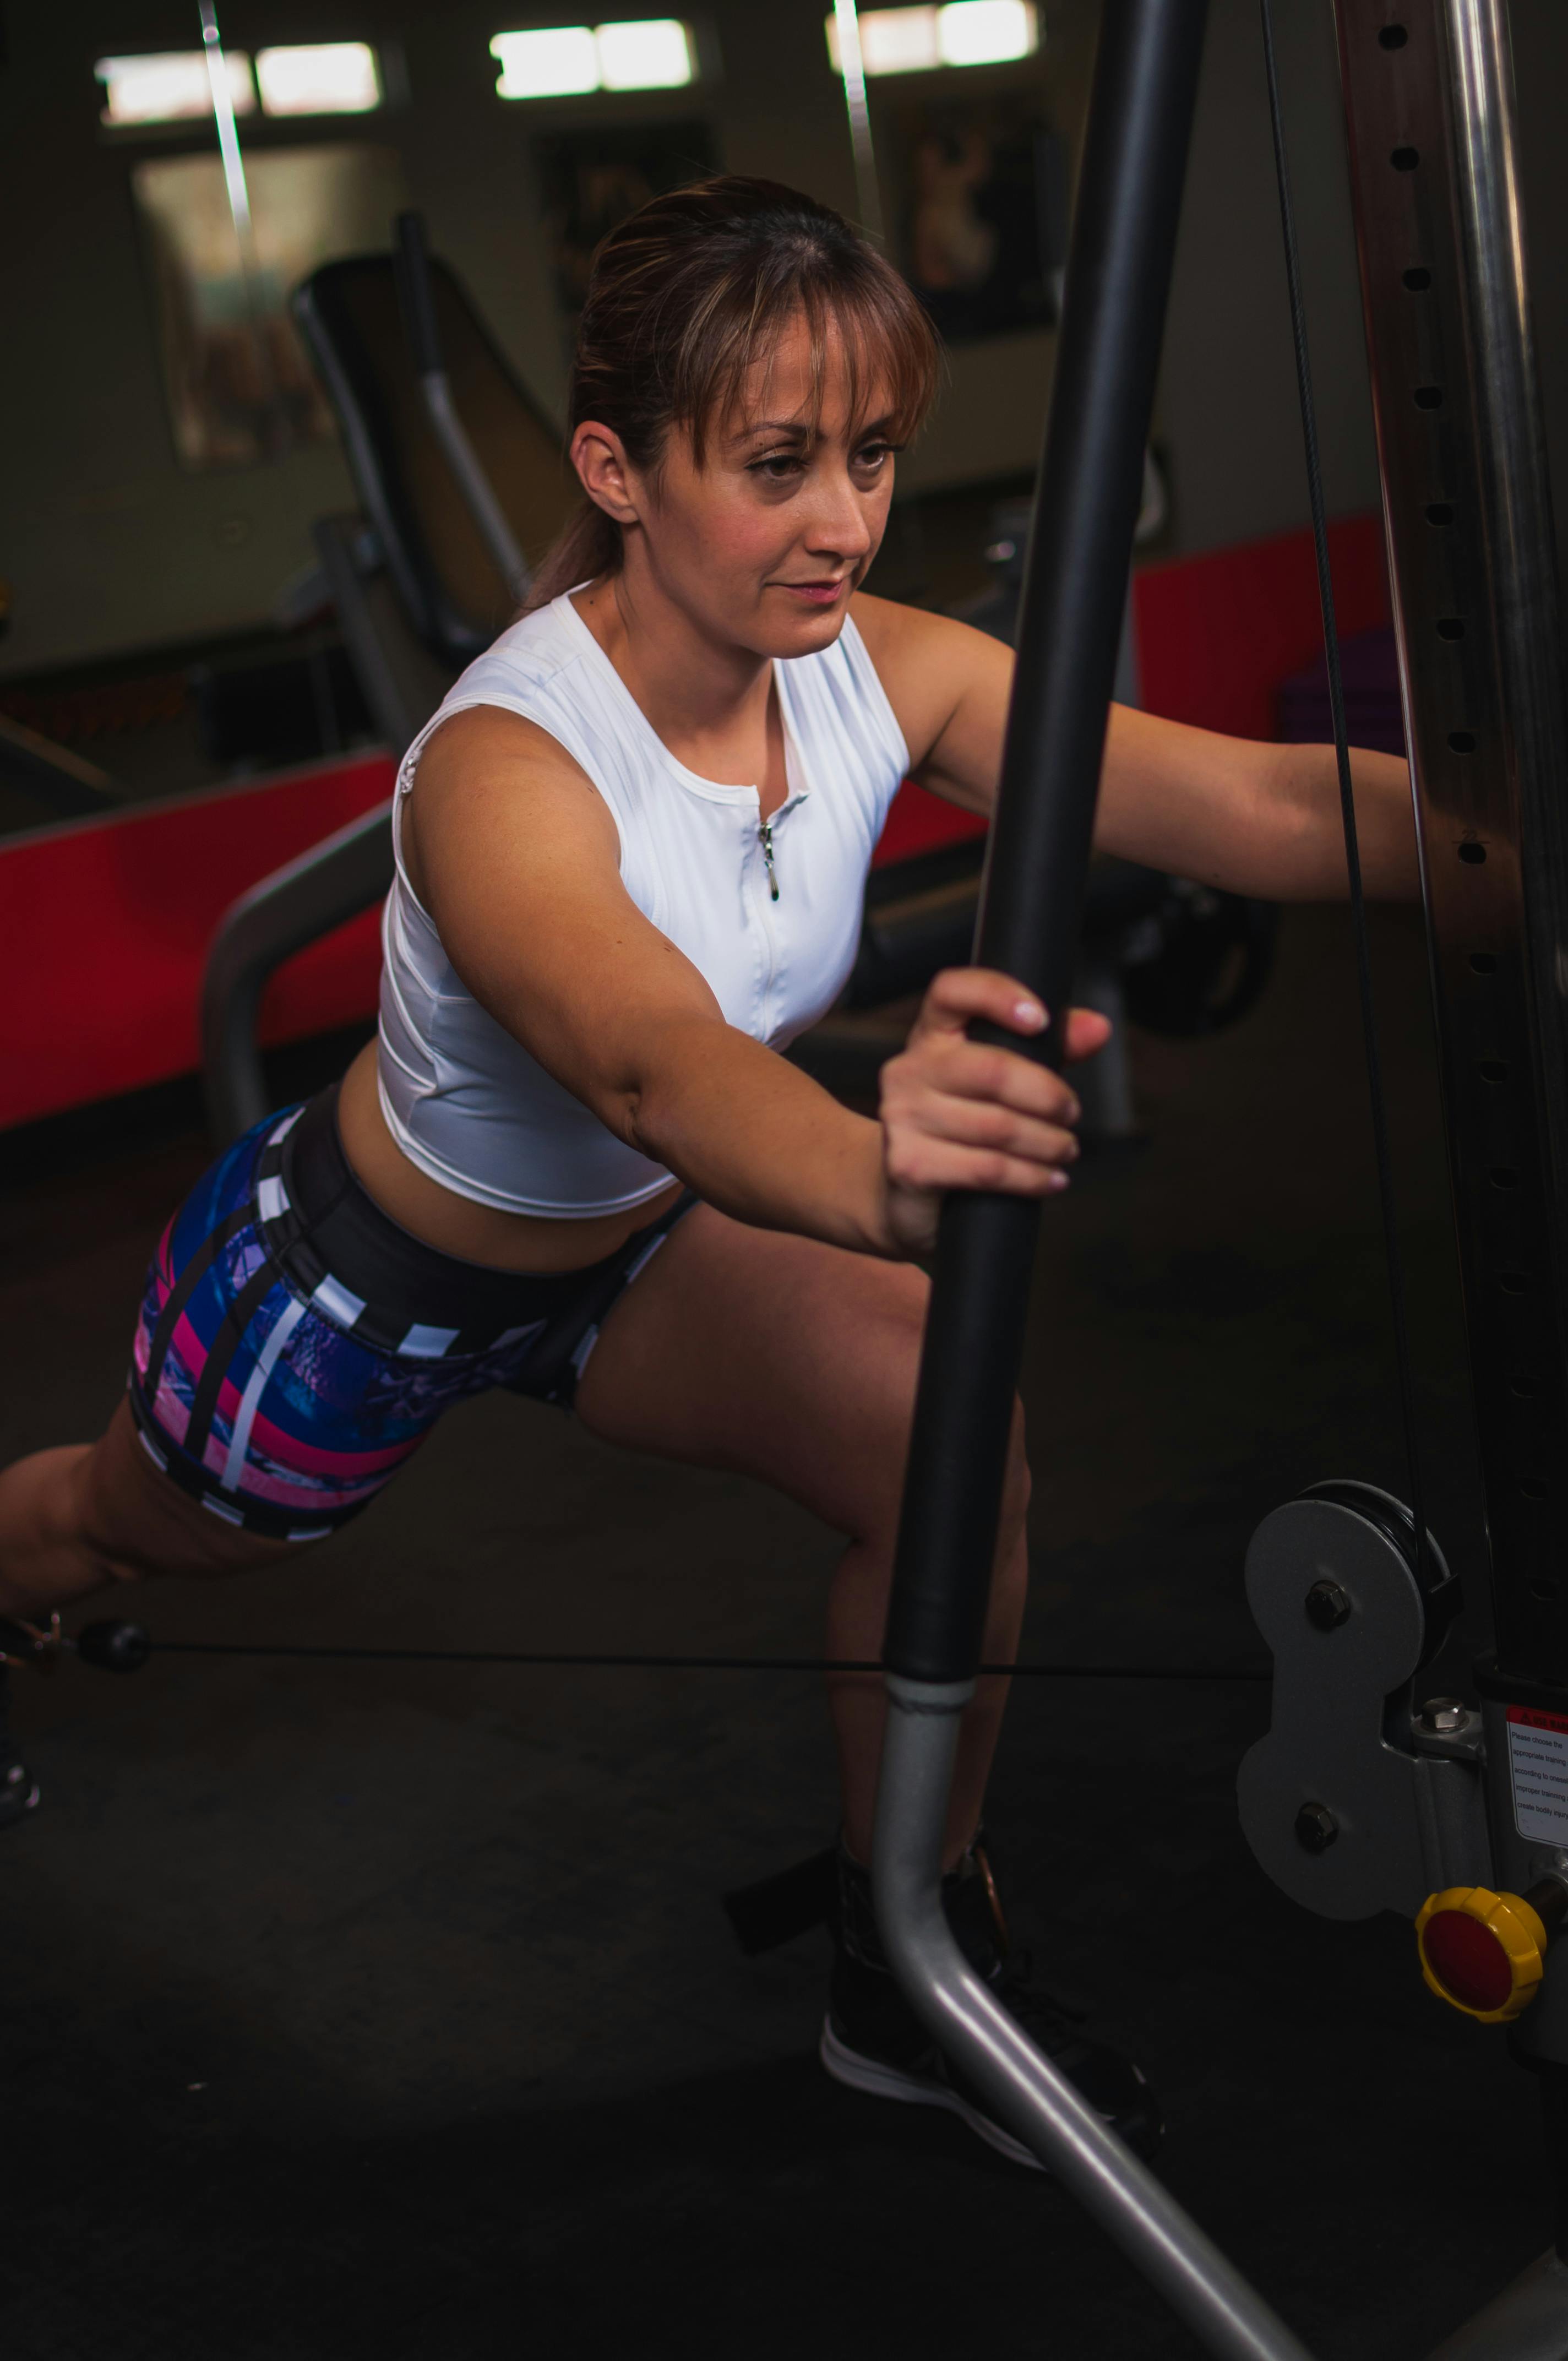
x=462 y=1099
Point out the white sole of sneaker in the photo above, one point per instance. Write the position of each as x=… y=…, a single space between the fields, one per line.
x=878 y=2082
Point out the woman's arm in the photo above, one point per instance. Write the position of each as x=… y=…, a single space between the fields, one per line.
x=514 y=855
x=1253 y=819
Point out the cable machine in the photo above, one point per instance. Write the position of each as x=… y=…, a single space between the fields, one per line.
x=1359 y=1799
x=1362 y=1797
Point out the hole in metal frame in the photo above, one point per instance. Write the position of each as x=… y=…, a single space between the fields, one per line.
x=1472 y=854
x=1492 y=1070
x=1392 y=37
x=1405 y=159
x=1439 y=513
x=1463 y=742
x=1429 y=397
x=1535 y=1488
x=1483 y=962
x=1514 y=1282
x=1418 y=280
x=1451 y=627
x=1503 y=1176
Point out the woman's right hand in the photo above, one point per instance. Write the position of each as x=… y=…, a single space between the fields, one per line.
x=957 y=1113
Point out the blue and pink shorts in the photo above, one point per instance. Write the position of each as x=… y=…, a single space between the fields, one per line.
x=296 y=1347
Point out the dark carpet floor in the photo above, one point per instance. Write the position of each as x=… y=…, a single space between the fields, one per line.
x=377 y=2008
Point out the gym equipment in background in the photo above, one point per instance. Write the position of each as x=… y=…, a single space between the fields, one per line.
x=414 y=580
x=1177 y=957
x=67 y=785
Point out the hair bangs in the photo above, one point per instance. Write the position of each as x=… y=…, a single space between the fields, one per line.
x=863 y=328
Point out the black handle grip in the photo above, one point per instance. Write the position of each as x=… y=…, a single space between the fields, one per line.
x=416 y=293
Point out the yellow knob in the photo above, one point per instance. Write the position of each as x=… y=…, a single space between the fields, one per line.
x=1482 y=1952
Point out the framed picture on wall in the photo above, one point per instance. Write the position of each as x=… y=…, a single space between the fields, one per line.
x=238 y=386
x=590 y=179
x=981 y=202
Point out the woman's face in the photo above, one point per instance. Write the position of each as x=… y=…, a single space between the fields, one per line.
x=761 y=545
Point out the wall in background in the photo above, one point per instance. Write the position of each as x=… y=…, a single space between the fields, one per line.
x=108 y=545
x=1228 y=414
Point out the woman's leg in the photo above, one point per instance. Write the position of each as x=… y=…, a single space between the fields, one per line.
x=796 y=1362
x=85 y=1515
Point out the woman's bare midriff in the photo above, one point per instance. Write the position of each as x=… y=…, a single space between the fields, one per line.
x=454 y=1225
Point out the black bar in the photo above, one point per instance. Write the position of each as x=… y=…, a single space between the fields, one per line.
x=416 y=296
x=1075 y=583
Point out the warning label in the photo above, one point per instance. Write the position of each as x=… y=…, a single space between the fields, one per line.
x=1537 y=1761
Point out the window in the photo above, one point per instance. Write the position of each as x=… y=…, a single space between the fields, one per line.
x=318 y=78
x=562 y=60
x=170 y=86
x=963 y=33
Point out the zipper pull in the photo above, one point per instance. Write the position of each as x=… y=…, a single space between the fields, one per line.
x=765 y=830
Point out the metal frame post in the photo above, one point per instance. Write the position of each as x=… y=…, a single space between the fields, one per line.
x=1075 y=583
x=1467 y=508
x=1429 y=109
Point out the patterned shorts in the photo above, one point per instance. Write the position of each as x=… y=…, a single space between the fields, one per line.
x=295 y=1346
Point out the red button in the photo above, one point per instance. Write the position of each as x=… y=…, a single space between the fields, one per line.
x=1468 y=1960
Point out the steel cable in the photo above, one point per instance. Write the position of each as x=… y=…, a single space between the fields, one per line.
x=1392 y=1249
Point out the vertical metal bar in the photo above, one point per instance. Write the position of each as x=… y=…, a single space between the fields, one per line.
x=1428 y=95
x=416 y=295
x=1069 y=627
x=853 y=71
x=1075 y=583
x=237 y=190
x=1021 y=2088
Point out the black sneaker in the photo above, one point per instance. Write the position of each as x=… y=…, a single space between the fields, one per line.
x=18 y=1788
x=873 y=2041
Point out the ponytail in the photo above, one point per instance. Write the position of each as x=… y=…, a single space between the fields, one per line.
x=587 y=545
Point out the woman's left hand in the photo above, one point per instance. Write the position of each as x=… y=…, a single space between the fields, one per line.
x=957 y=1113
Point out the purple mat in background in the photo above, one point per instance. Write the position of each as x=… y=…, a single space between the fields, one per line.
x=1371 y=696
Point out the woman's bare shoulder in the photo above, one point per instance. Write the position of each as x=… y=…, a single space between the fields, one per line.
x=927 y=663
x=488 y=778
x=486 y=735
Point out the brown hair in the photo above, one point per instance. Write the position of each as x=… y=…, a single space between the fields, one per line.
x=688 y=294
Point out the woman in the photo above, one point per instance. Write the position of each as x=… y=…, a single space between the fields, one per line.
x=630 y=852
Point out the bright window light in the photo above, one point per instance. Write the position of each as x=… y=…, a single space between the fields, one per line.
x=985 y=32
x=170 y=86
x=964 y=33
x=319 y=78
x=551 y=64
x=646 y=53
x=649 y=53
x=892 y=40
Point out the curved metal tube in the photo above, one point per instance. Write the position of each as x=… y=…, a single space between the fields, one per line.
x=489 y=520
x=1040 y=2106
x=296 y=904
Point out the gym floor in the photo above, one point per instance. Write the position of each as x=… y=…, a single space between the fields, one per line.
x=380 y=2007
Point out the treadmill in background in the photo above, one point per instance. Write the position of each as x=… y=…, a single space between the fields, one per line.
x=420 y=582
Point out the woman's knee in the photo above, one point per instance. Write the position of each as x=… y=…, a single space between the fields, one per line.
x=132 y=1522
x=881 y=1463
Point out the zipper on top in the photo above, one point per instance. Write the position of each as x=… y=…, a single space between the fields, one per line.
x=765 y=831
